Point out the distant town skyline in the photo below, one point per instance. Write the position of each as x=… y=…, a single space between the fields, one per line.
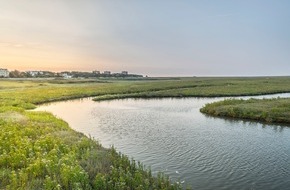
x=155 y=38
x=5 y=73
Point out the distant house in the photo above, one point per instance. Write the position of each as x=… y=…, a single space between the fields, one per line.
x=66 y=76
x=124 y=72
x=34 y=73
x=97 y=72
x=4 y=73
x=107 y=72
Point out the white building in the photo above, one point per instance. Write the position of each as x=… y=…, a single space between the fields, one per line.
x=4 y=73
x=66 y=76
x=107 y=72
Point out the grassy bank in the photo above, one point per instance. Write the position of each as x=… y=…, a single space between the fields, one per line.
x=39 y=151
x=203 y=87
x=266 y=110
x=26 y=93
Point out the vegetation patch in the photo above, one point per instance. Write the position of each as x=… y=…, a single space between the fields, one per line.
x=13 y=116
x=266 y=110
x=44 y=153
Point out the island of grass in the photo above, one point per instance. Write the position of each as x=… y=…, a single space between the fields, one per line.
x=266 y=110
x=39 y=151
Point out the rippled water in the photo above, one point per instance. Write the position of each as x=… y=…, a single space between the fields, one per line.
x=171 y=135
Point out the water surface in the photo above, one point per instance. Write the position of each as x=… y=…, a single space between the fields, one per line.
x=172 y=136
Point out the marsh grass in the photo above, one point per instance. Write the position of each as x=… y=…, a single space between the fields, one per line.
x=39 y=151
x=26 y=93
x=44 y=153
x=275 y=110
x=202 y=87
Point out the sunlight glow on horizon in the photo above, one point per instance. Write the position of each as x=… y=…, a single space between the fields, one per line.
x=188 y=38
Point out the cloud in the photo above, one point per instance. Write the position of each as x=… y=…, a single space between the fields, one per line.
x=5 y=44
x=18 y=45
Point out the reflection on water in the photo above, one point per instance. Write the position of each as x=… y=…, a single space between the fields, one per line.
x=171 y=135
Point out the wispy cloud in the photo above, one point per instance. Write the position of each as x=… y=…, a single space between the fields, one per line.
x=4 y=44
x=19 y=45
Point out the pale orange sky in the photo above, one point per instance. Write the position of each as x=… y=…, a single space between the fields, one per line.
x=157 y=38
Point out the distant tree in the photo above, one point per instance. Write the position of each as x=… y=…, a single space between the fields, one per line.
x=15 y=74
x=28 y=75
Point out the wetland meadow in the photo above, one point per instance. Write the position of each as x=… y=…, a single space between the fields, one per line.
x=40 y=150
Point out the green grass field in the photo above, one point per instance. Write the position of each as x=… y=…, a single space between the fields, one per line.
x=26 y=93
x=39 y=151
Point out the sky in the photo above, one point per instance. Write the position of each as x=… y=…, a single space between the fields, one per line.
x=149 y=37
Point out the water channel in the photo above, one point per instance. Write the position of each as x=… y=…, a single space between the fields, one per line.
x=172 y=136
